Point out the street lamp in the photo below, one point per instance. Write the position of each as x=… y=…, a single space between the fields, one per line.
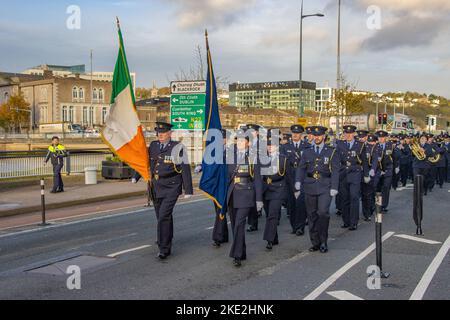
x=301 y=106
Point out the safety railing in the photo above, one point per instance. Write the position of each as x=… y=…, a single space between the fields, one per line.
x=18 y=164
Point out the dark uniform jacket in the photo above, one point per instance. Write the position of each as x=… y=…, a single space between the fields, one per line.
x=404 y=155
x=56 y=154
x=353 y=160
x=244 y=183
x=170 y=173
x=318 y=174
x=388 y=159
x=275 y=185
x=424 y=164
x=293 y=156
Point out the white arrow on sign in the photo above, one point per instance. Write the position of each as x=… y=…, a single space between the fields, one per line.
x=200 y=111
x=175 y=100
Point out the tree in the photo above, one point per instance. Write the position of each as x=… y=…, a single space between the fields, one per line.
x=15 y=113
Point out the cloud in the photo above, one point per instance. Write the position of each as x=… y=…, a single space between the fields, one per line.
x=206 y=13
x=409 y=31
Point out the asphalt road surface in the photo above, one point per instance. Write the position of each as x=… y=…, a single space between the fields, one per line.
x=117 y=257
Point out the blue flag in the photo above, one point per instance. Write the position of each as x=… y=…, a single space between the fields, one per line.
x=214 y=177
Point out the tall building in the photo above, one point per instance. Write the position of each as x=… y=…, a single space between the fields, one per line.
x=283 y=95
x=324 y=97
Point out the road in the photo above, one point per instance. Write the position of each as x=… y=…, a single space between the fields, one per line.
x=116 y=252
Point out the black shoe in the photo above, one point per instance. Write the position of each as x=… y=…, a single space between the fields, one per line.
x=323 y=248
x=367 y=219
x=294 y=232
x=353 y=228
x=300 y=233
x=162 y=256
x=269 y=245
x=237 y=263
x=345 y=226
x=384 y=210
x=314 y=249
x=339 y=213
x=252 y=229
x=59 y=191
x=216 y=244
x=53 y=191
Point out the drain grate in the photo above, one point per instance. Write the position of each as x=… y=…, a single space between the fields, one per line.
x=59 y=268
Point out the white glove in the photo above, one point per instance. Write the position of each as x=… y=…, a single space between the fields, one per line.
x=133 y=180
x=259 y=205
x=198 y=169
x=397 y=170
x=333 y=193
x=298 y=186
x=383 y=173
x=372 y=173
x=187 y=196
x=366 y=180
x=297 y=194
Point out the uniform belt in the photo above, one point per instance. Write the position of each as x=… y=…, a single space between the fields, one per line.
x=317 y=175
x=270 y=180
x=244 y=180
x=158 y=177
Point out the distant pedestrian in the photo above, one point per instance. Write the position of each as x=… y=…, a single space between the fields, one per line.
x=56 y=153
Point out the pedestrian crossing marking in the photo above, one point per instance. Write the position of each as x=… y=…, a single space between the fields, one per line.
x=404 y=236
x=115 y=255
x=343 y=295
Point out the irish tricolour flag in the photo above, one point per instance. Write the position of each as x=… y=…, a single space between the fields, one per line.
x=123 y=130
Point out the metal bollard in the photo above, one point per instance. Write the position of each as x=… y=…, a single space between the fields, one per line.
x=44 y=223
x=378 y=235
x=418 y=203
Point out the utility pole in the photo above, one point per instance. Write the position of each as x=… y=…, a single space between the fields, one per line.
x=338 y=78
x=92 y=76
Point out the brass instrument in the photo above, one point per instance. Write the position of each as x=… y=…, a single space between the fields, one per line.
x=435 y=159
x=417 y=150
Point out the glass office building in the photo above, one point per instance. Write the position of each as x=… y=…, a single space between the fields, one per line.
x=283 y=95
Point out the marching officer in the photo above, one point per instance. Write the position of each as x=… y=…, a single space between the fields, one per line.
x=368 y=189
x=447 y=155
x=404 y=159
x=244 y=193
x=318 y=173
x=422 y=166
x=387 y=162
x=354 y=167
x=170 y=172
x=296 y=206
x=273 y=175
x=254 y=214
x=432 y=175
x=56 y=154
x=441 y=165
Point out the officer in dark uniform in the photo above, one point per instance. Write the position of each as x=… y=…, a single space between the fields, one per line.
x=354 y=168
x=244 y=193
x=318 y=173
x=422 y=166
x=170 y=172
x=368 y=189
x=254 y=150
x=432 y=175
x=296 y=206
x=441 y=164
x=274 y=189
x=56 y=154
x=404 y=159
x=447 y=155
x=394 y=139
x=387 y=162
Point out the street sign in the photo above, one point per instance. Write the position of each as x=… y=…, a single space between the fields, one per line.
x=187 y=105
x=303 y=122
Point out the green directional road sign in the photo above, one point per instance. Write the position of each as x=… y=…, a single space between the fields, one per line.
x=187 y=111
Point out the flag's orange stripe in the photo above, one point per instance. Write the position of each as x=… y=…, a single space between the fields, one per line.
x=131 y=153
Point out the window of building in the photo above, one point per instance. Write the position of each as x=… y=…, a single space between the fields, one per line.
x=95 y=94
x=85 y=115
x=71 y=115
x=91 y=116
x=105 y=113
x=100 y=94
x=43 y=114
x=75 y=93
x=81 y=93
x=64 y=114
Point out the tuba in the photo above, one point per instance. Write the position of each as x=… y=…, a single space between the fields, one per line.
x=417 y=150
x=435 y=159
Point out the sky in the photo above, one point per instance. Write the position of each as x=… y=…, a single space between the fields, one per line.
x=386 y=45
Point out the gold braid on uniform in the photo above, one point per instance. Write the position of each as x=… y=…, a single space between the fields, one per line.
x=284 y=168
x=250 y=166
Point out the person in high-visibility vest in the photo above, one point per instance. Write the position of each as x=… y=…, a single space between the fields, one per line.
x=56 y=153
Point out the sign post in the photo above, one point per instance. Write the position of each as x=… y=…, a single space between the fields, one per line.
x=187 y=105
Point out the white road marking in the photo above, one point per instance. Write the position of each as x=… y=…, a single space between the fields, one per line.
x=422 y=287
x=114 y=255
x=343 y=295
x=88 y=220
x=333 y=278
x=404 y=236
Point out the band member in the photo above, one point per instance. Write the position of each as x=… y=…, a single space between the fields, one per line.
x=404 y=159
x=447 y=154
x=254 y=150
x=56 y=154
x=368 y=189
x=318 y=173
x=244 y=193
x=354 y=167
x=387 y=161
x=421 y=166
x=171 y=172
x=432 y=174
x=274 y=189
x=296 y=206
x=441 y=172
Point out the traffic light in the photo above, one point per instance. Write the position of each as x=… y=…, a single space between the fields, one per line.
x=380 y=118
x=427 y=121
x=385 y=118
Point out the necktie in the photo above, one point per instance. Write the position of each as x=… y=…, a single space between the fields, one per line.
x=318 y=150
x=161 y=147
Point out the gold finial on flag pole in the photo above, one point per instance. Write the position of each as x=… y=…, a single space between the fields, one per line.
x=118 y=22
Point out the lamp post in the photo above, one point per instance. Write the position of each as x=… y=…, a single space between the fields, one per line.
x=302 y=16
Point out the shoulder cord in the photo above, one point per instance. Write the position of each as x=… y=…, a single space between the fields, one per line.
x=331 y=160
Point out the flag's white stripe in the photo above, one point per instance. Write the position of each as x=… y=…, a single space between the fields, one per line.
x=122 y=122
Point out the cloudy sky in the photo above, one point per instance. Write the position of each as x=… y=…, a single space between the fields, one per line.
x=251 y=40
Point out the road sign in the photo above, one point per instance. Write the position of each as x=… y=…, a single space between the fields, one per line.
x=187 y=105
x=303 y=122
